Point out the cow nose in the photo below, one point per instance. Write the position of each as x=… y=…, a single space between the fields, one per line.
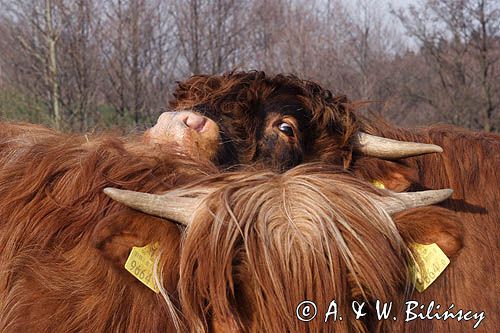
x=195 y=122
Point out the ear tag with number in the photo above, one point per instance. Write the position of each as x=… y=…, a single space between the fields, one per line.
x=378 y=183
x=430 y=262
x=140 y=263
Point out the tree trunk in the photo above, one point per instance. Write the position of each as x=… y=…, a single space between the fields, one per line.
x=52 y=65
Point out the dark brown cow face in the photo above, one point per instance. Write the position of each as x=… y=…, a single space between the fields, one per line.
x=280 y=134
x=275 y=123
x=272 y=121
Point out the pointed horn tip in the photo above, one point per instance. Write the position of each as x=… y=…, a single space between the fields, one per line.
x=165 y=206
x=433 y=196
x=377 y=146
x=438 y=195
x=445 y=193
x=408 y=200
x=436 y=148
x=117 y=194
x=108 y=190
x=111 y=191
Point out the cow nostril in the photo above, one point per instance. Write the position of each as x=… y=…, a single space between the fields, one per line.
x=195 y=122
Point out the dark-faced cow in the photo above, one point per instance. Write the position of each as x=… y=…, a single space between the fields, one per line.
x=276 y=122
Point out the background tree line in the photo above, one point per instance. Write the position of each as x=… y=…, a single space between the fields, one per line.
x=85 y=64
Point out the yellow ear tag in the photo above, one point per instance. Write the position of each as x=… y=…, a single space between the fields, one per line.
x=378 y=183
x=430 y=262
x=140 y=263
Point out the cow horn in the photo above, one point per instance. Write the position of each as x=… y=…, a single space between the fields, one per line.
x=171 y=206
x=403 y=201
x=377 y=146
x=179 y=209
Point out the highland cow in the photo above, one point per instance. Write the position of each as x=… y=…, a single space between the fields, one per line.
x=261 y=244
x=282 y=121
x=255 y=243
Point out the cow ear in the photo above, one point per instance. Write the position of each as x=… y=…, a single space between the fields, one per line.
x=115 y=235
x=395 y=176
x=429 y=225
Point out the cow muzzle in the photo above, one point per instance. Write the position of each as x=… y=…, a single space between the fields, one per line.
x=197 y=135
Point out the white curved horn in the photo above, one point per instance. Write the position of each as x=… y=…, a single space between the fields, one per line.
x=403 y=201
x=170 y=205
x=377 y=146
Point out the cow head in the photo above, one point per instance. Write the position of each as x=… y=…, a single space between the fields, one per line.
x=259 y=243
x=278 y=122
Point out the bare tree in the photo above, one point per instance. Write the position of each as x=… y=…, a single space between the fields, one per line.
x=211 y=34
x=33 y=32
x=51 y=37
x=457 y=40
x=138 y=55
x=84 y=63
x=486 y=51
x=80 y=62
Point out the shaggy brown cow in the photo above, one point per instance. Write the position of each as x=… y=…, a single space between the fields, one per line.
x=265 y=242
x=282 y=121
x=258 y=244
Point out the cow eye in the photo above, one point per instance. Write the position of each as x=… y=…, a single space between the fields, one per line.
x=286 y=128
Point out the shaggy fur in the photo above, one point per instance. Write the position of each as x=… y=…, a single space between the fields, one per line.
x=257 y=246
x=265 y=242
x=469 y=165
x=63 y=243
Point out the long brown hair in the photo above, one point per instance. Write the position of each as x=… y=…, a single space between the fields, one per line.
x=266 y=242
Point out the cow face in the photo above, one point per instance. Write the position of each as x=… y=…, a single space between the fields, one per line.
x=277 y=122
